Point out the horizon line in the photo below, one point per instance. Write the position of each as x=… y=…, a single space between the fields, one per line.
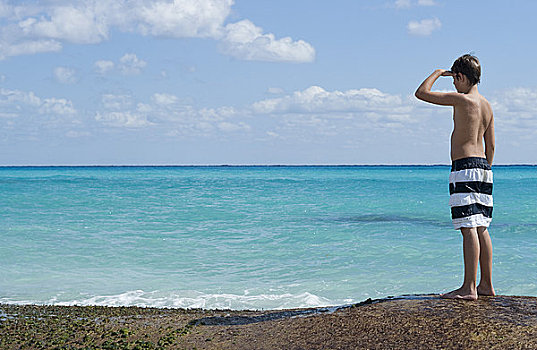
x=235 y=165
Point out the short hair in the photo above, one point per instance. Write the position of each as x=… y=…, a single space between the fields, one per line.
x=468 y=65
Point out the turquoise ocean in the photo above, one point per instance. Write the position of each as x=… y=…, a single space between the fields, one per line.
x=263 y=237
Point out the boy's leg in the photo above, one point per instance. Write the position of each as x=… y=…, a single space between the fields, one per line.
x=470 y=245
x=485 y=262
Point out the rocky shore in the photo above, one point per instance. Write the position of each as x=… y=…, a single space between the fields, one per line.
x=409 y=322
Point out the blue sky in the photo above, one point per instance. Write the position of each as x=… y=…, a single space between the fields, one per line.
x=255 y=82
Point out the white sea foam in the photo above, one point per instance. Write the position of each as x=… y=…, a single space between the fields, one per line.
x=193 y=299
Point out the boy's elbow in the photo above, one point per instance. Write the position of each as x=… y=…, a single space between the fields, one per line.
x=421 y=95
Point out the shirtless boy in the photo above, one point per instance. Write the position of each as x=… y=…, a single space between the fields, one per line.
x=470 y=181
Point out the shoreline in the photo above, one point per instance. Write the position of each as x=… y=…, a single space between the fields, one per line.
x=403 y=322
x=311 y=309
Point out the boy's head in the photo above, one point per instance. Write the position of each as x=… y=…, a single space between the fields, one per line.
x=469 y=66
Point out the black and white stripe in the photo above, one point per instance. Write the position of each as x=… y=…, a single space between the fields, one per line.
x=470 y=189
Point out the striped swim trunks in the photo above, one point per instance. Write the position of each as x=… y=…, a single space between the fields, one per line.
x=470 y=192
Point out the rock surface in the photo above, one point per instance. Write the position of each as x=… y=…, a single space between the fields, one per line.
x=411 y=322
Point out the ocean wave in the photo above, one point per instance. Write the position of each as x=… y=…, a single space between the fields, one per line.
x=193 y=299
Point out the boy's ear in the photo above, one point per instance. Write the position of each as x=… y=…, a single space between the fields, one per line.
x=461 y=77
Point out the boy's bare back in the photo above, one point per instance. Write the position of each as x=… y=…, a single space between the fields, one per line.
x=472 y=118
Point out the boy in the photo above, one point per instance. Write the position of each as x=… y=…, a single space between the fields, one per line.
x=470 y=181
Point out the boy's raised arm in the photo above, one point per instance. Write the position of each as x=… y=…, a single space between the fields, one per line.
x=424 y=92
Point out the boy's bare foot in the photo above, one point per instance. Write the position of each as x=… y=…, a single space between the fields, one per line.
x=461 y=293
x=486 y=291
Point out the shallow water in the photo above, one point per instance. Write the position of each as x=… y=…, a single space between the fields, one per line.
x=248 y=237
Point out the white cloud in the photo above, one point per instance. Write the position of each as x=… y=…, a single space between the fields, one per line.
x=409 y=3
x=164 y=99
x=121 y=111
x=65 y=75
x=103 y=66
x=83 y=25
x=23 y=103
x=402 y=3
x=17 y=98
x=245 y=40
x=427 y=3
x=515 y=110
x=43 y=27
x=128 y=64
x=169 y=111
x=312 y=111
x=28 y=47
x=216 y=114
x=316 y=100
x=144 y=108
x=5 y=9
x=305 y=115
x=275 y=90
x=116 y=102
x=131 y=64
x=76 y=134
x=8 y=115
x=57 y=106
x=517 y=100
x=424 y=27
x=123 y=119
x=231 y=127
x=184 y=18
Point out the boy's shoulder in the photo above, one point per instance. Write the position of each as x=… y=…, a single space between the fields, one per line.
x=475 y=98
x=485 y=102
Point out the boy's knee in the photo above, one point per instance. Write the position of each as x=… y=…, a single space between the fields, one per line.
x=482 y=231
x=468 y=231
